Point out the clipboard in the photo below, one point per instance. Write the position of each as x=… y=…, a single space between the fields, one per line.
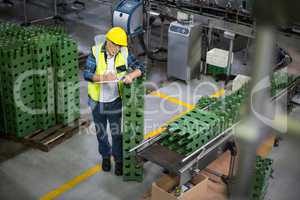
x=114 y=81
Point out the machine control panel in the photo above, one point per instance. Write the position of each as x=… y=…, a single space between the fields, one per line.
x=180 y=30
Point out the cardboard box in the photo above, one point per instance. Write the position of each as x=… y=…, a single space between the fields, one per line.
x=162 y=189
x=146 y=195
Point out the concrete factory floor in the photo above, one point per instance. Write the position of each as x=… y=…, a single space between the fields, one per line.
x=70 y=170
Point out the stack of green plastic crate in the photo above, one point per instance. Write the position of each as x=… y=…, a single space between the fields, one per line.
x=43 y=80
x=263 y=172
x=46 y=92
x=215 y=70
x=133 y=128
x=205 y=101
x=281 y=80
x=10 y=30
x=192 y=131
x=228 y=108
x=198 y=127
x=66 y=64
x=2 y=128
x=17 y=92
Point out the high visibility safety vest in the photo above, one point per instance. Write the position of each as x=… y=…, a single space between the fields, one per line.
x=94 y=89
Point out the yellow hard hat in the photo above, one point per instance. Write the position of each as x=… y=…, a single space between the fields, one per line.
x=118 y=36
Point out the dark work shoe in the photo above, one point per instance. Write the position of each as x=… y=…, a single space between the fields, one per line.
x=119 y=169
x=106 y=164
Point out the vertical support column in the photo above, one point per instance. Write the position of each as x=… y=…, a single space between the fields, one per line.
x=230 y=36
x=250 y=132
x=55 y=8
x=25 y=12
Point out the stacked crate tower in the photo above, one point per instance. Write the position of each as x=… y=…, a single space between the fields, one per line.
x=263 y=172
x=133 y=128
x=17 y=93
x=65 y=62
x=39 y=80
x=43 y=81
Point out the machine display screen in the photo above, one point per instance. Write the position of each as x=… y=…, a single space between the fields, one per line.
x=127 y=6
x=181 y=30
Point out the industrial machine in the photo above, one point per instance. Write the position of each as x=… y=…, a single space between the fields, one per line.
x=128 y=14
x=196 y=38
x=237 y=11
x=184 y=50
x=242 y=5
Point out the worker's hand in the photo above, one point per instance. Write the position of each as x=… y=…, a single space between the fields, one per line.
x=128 y=79
x=97 y=78
x=110 y=77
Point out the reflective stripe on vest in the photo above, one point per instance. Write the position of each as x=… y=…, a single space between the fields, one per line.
x=94 y=89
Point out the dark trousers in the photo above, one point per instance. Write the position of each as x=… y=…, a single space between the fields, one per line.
x=111 y=113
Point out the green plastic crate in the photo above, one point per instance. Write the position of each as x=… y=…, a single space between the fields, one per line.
x=133 y=128
x=215 y=70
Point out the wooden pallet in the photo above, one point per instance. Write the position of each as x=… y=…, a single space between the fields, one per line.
x=45 y=140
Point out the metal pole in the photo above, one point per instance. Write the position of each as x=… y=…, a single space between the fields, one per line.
x=25 y=12
x=148 y=28
x=250 y=132
x=204 y=50
x=229 y=63
x=55 y=8
x=161 y=40
x=247 y=52
x=231 y=37
x=210 y=36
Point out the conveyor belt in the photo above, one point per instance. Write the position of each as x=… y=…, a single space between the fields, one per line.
x=152 y=151
x=176 y=163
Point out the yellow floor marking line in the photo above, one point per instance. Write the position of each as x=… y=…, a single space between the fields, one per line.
x=172 y=99
x=72 y=183
x=96 y=169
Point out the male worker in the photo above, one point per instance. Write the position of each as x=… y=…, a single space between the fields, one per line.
x=108 y=67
